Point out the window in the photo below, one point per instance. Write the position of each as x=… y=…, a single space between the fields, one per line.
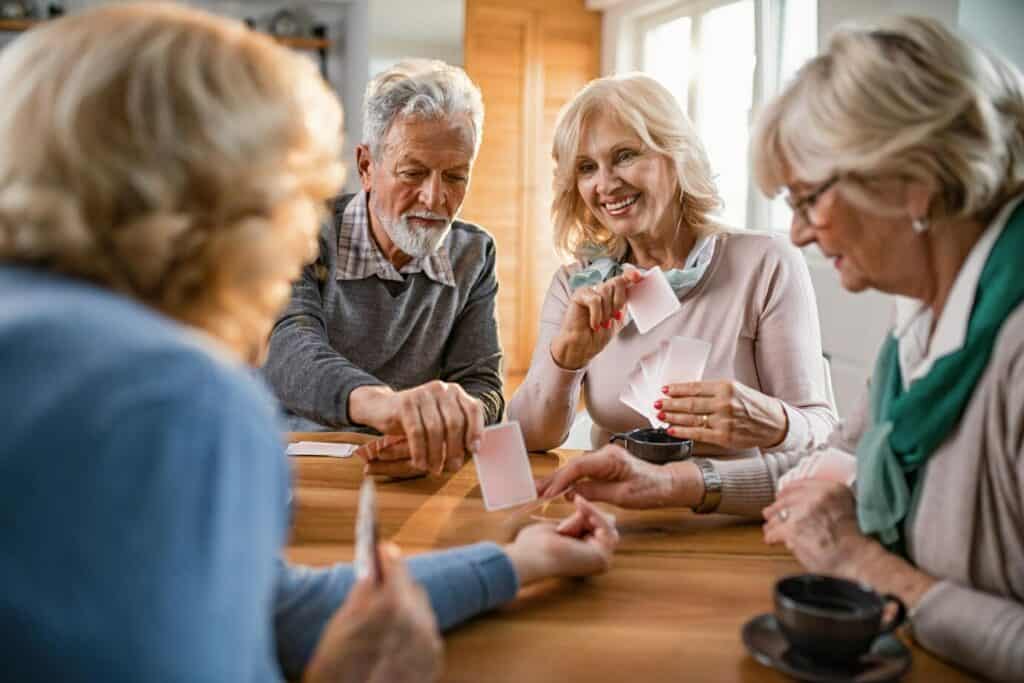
x=721 y=59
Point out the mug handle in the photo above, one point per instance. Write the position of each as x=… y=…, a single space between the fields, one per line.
x=901 y=613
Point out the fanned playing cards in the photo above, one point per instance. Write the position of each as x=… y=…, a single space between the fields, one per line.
x=679 y=359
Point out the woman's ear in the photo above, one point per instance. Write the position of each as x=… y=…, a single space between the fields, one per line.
x=917 y=198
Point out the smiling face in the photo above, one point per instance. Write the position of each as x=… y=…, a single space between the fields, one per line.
x=630 y=189
x=868 y=250
x=419 y=181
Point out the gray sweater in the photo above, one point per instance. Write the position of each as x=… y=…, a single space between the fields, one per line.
x=337 y=335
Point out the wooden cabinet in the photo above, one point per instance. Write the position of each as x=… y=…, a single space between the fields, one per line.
x=529 y=57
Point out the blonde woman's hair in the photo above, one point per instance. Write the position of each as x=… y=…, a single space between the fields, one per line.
x=172 y=156
x=648 y=109
x=909 y=99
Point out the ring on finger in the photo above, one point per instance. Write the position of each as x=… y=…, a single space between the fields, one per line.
x=783 y=514
x=704 y=421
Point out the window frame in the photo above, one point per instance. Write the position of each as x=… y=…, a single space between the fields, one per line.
x=769 y=16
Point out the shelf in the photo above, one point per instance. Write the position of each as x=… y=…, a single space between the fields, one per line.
x=304 y=43
x=17 y=24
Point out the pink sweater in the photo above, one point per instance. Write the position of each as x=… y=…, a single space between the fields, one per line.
x=754 y=304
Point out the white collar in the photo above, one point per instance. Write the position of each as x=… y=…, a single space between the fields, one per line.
x=914 y=319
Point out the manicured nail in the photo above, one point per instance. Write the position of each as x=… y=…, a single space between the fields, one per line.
x=607 y=324
x=661 y=416
x=657 y=404
x=618 y=315
x=664 y=389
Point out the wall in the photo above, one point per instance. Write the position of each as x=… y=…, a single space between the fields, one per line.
x=413 y=28
x=996 y=24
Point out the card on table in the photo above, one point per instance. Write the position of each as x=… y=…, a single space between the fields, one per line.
x=651 y=300
x=503 y=467
x=336 y=450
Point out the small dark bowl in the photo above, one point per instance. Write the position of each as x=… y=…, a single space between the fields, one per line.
x=831 y=619
x=655 y=446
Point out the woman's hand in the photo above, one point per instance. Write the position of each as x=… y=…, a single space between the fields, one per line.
x=581 y=545
x=817 y=521
x=593 y=317
x=723 y=412
x=384 y=632
x=614 y=476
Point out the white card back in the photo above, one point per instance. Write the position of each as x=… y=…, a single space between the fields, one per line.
x=503 y=468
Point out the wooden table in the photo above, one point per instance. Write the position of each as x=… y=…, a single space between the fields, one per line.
x=671 y=608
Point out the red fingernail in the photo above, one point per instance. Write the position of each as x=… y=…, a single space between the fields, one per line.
x=664 y=389
x=657 y=404
x=618 y=315
x=661 y=416
x=594 y=328
x=606 y=324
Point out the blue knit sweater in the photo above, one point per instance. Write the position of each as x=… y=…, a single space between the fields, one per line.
x=143 y=505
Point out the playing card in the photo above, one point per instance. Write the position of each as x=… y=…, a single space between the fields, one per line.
x=684 y=360
x=632 y=399
x=503 y=467
x=651 y=300
x=336 y=450
x=367 y=562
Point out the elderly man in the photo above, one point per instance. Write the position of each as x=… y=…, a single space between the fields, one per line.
x=393 y=328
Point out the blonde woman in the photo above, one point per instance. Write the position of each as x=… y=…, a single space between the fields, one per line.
x=162 y=180
x=633 y=187
x=901 y=150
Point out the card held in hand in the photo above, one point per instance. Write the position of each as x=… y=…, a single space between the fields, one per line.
x=367 y=562
x=651 y=300
x=503 y=468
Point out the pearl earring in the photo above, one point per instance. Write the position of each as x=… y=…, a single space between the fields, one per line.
x=920 y=225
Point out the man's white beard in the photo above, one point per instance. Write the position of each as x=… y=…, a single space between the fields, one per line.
x=417 y=242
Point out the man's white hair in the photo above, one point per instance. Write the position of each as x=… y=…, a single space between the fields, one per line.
x=423 y=89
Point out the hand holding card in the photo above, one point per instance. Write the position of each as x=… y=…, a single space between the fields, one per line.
x=680 y=359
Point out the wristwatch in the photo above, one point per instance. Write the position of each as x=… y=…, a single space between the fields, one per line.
x=712 y=486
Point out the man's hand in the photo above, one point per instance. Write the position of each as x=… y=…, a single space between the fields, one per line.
x=441 y=423
x=384 y=632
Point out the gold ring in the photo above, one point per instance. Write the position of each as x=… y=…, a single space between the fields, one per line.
x=704 y=421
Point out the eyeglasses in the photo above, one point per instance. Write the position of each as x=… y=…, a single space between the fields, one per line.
x=803 y=206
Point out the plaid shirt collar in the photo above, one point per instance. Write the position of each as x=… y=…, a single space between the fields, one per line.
x=360 y=258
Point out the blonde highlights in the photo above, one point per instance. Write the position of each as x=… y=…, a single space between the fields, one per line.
x=909 y=99
x=648 y=109
x=175 y=157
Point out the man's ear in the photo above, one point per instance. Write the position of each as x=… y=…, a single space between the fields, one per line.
x=364 y=165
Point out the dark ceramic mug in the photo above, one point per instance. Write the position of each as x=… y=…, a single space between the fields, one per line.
x=830 y=619
x=654 y=445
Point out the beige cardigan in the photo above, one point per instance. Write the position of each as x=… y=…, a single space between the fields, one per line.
x=968 y=529
x=755 y=305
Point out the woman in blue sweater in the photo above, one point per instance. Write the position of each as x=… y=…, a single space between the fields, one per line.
x=161 y=181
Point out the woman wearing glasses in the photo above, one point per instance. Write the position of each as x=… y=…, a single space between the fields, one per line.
x=903 y=149
x=633 y=187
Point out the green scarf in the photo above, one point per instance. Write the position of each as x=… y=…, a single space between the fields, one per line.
x=907 y=426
